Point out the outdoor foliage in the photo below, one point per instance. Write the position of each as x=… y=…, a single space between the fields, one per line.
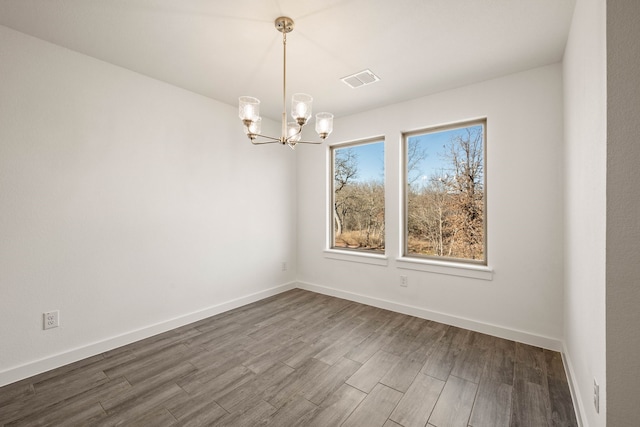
x=445 y=215
x=358 y=209
x=445 y=207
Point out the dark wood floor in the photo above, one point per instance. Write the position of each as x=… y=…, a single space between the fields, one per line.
x=303 y=359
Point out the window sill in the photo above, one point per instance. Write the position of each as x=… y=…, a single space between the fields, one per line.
x=361 y=257
x=451 y=268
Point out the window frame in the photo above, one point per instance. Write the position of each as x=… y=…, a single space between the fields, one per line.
x=366 y=256
x=413 y=261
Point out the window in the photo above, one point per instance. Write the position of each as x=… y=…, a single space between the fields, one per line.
x=358 y=196
x=445 y=199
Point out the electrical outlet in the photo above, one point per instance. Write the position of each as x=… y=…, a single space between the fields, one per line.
x=51 y=319
x=284 y=266
x=404 y=281
x=596 y=396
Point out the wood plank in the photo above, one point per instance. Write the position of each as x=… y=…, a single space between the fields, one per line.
x=418 y=402
x=142 y=368
x=229 y=380
x=470 y=363
x=257 y=414
x=218 y=335
x=264 y=343
x=402 y=374
x=375 y=408
x=530 y=364
x=337 y=407
x=492 y=407
x=155 y=417
x=260 y=362
x=17 y=391
x=315 y=307
x=430 y=334
x=145 y=389
x=162 y=341
x=78 y=414
x=443 y=358
x=345 y=343
x=332 y=379
x=209 y=368
x=562 y=411
x=501 y=364
x=320 y=330
x=404 y=340
x=370 y=346
x=378 y=339
x=246 y=395
x=530 y=405
x=281 y=392
x=307 y=352
x=63 y=387
x=455 y=403
x=291 y=413
x=81 y=365
x=141 y=404
x=41 y=407
x=196 y=411
x=372 y=371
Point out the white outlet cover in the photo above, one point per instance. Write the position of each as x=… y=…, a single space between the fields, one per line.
x=51 y=319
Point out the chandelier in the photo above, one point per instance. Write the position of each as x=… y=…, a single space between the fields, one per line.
x=249 y=107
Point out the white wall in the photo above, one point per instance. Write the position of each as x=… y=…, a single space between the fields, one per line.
x=623 y=208
x=524 y=300
x=585 y=203
x=128 y=204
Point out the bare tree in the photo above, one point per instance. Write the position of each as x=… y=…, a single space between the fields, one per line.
x=358 y=207
x=446 y=214
x=345 y=166
x=465 y=154
x=428 y=215
x=416 y=153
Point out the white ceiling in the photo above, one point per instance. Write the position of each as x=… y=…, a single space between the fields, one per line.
x=226 y=48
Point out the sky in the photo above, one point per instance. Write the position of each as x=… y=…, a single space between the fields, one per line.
x=435 y=147
x=371 y=156
x=370 y=161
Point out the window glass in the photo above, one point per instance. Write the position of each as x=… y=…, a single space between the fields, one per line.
x=358 y=196
x=445 y=215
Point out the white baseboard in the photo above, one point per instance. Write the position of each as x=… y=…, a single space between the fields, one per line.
x=461 y=322
x=36 y=367
x=57 y=360
x=573 y=387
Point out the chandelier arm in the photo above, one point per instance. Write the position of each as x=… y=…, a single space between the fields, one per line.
x=271 y=139
x=289 y=137
x=309 y=142
x=254 y=142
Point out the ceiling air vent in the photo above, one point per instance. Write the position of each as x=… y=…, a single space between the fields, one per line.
x=361 y=78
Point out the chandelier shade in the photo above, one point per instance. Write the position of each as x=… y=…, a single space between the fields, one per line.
x=249 y=108
x=301 y=108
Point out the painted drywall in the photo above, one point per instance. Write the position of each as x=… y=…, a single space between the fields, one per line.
x=584 y=76
x=127 y=203
x=525 y=190
x=623 y=206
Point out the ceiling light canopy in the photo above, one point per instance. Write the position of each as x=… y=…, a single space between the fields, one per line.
x=249 y=107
